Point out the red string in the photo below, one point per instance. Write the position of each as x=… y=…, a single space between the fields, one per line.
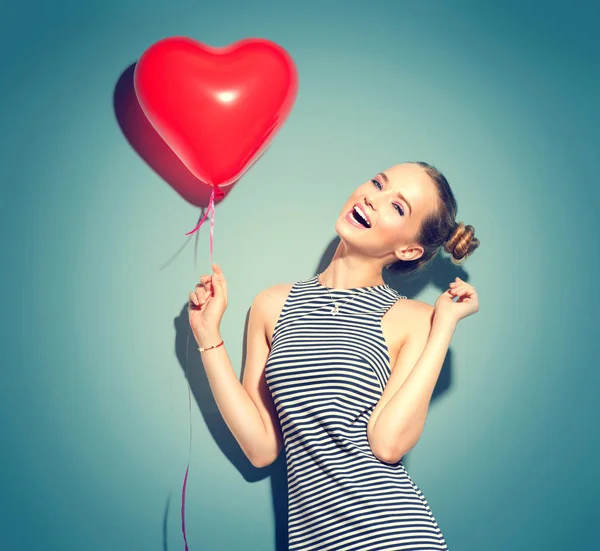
x=183 y=506
x=215 y=194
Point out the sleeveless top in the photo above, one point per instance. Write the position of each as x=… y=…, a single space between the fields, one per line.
x=326 y=374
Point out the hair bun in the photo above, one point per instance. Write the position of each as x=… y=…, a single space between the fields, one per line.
x=461 y=243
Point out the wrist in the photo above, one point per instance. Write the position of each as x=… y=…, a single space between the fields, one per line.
x=446 y=322
x=208 y=337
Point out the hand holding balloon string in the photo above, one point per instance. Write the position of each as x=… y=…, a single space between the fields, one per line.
x=206 y=306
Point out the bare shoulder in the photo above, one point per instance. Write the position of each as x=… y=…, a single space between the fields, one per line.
x=419 y=307
x=404 y=319
x=271 y=301
x=411 y=317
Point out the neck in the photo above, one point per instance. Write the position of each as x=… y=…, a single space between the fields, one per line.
x=346 y=272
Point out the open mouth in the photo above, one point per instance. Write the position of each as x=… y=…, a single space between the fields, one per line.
x=356 y=215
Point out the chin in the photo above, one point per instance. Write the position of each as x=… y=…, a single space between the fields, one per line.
x=341 y=226
x=345 y=230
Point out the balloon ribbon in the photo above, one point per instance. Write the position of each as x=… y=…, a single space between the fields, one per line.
x=215 y=194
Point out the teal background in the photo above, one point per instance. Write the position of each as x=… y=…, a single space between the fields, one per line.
x=96 y=267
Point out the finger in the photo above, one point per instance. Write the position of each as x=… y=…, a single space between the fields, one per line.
x=468 y=293
x=469 y=289
x=223 y=283
x=201 y=287
x=201 y=292
x=206 y=280
x=192 y=298
x=218 y=284
x=222 y=288
x=214 y=277
x=219 y=278
x=193 y=304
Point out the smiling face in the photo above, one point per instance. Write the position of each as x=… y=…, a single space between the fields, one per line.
x=395 y=203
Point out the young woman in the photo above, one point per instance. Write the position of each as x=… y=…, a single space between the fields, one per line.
x=340 y=371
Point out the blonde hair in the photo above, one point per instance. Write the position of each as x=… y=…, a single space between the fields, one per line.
x=440 y=229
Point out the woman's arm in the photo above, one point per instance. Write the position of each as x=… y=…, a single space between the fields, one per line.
x=399 y=425
x=254 y=431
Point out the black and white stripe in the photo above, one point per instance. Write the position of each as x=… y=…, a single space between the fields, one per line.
x=326 y=374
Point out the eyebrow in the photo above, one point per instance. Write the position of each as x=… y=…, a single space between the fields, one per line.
x=387 y=181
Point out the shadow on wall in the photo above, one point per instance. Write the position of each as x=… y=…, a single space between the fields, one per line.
x=439 y=274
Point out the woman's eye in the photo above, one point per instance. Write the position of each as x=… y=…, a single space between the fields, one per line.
x=399 y=209
x=378 y=186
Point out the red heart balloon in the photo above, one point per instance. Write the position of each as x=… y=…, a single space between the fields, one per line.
x=217 y=108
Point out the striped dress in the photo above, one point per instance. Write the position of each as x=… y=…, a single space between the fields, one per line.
x=326 y=374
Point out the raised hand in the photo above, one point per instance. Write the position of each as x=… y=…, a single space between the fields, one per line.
x=454 y=311
x=207 y=303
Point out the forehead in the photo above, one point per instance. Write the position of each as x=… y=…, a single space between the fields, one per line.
x=414 y=183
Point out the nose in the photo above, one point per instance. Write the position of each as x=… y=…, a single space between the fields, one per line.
x=371 y=203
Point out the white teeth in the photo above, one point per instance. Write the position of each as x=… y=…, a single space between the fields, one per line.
x=359 y=211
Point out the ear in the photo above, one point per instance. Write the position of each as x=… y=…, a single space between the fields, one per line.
x=409 y=252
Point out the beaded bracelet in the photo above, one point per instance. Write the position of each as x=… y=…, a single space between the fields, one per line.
x=203 y=348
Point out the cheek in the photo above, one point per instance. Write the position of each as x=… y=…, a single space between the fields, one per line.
x=392 y=222
x=394 y=228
